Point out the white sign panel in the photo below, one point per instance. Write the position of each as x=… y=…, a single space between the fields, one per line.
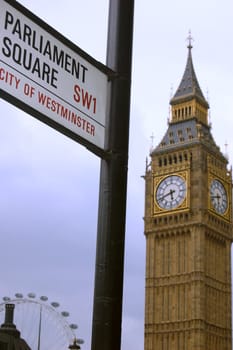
x=50 y=75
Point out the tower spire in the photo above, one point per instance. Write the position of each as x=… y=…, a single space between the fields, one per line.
x=189 y=101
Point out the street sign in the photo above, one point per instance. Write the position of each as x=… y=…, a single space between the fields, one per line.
x=49 y=77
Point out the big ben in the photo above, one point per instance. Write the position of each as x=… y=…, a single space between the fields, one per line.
x=188 y=230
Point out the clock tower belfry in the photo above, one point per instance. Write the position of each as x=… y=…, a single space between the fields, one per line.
x=188 y=230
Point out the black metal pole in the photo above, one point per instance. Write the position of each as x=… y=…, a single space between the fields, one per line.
x=108 y=293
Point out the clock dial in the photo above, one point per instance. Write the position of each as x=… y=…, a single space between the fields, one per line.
x=218 y=196
x=170 y=192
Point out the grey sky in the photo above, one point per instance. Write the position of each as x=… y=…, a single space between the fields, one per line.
x=49 y=184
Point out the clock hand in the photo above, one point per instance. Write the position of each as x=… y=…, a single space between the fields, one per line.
x=170 y=193
x=164 y=196
x=217 y=196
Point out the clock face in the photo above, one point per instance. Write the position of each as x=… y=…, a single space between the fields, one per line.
x=218 y=196
x=171 y=192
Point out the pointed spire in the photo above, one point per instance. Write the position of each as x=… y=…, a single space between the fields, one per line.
x=189 y=87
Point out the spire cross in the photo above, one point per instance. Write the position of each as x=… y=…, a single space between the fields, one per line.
x=226 y=146
x=190 y=40
x=152 y=142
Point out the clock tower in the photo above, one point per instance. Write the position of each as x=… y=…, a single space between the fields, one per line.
x=188 y=230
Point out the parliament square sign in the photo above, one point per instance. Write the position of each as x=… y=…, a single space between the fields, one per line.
x=49 y=77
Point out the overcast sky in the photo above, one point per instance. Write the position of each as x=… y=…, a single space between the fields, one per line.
x=49 y=184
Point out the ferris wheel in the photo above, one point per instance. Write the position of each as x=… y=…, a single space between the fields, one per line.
x=40 y=323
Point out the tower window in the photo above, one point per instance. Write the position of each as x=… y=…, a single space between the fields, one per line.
x=180 y=132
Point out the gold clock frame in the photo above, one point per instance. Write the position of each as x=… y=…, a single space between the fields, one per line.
x=157 y=210
x=227 y=185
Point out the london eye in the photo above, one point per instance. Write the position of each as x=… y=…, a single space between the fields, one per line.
x=41 y=323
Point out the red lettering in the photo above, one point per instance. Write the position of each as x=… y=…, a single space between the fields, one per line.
x=94 y=108
x=79 y=119
x=41 y=97
x=48 y=102
x=9 y=78
x=76 y=95
x=65 y=113
x=84 y=98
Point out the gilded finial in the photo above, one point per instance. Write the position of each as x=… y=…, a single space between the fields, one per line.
x=190 y=40
x=152 y=139
x=226 y=150
x=152 y=142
